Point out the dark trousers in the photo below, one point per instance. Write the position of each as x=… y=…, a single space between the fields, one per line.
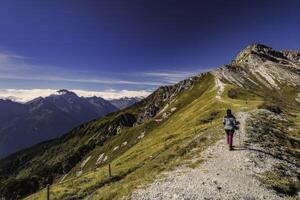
x=229 y=134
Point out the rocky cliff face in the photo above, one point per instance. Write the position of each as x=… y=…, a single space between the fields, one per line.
x=162 y=97
x=261 y=66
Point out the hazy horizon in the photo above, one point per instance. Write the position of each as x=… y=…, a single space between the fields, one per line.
x=23 y=95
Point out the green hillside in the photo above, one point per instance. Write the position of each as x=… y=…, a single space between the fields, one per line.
x=165 y=130
x=194 y=124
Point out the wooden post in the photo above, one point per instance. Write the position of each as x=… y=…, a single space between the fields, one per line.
x=48 y=192
x=109 y=170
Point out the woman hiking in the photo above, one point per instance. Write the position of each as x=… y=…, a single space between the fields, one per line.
x=230 y=124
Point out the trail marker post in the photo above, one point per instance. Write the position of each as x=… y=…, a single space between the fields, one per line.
x=48 y=192
x=109 y=170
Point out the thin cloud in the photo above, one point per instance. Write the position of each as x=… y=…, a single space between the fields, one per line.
x=169 y=74
x=103 y=81
x=10 y=61
x=170 y=77
x=17 y=67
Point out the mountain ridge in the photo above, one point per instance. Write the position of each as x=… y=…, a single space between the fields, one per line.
x=163 y=130
x=125 y=102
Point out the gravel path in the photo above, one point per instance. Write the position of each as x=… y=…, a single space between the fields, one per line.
x=224 y=175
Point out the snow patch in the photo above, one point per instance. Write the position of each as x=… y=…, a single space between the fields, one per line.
x=63 y=178
x=100 y=159
x=85 y=162
x=142 y=135
x=114 y=149
x=158 y=120
x=173 y=109
x=119 y=129
x=105 y=159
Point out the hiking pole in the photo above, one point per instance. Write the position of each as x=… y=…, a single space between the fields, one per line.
x=239 y=132
x=239 y=138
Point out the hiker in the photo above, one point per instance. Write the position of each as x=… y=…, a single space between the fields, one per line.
x=230 y=124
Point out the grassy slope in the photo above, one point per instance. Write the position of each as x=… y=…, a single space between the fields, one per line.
x=194 y=125
x=28 y=170
x=191 y=128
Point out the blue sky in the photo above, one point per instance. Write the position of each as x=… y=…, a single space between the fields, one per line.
x=129 y=46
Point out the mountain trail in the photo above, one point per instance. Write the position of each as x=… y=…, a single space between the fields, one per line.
x=224 y=175
x=220 y=87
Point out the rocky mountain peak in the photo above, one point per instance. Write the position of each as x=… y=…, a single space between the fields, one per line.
x=292 y=55
x=35 y=101
x=258 y=47
x=257 y=54
x=261 y=65
x=65 y=92
x=95 y=98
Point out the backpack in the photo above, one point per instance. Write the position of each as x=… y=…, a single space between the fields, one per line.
x=229 y=123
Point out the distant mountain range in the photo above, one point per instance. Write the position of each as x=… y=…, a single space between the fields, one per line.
x=125 y=102
x=22 y=125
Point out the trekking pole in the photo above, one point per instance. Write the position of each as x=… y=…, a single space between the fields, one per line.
x=239 y=133
x=239 y=138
